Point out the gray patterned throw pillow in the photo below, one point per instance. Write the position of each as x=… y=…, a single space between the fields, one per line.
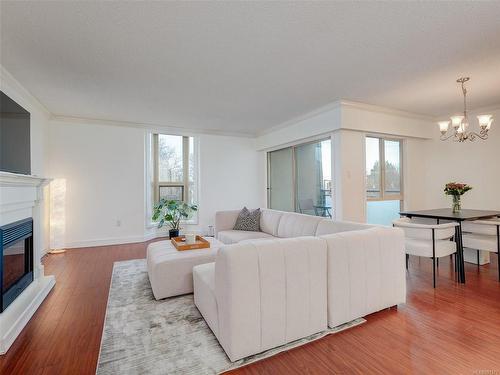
x=248 y=220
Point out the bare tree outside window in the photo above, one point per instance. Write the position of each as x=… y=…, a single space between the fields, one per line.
x=170 y=158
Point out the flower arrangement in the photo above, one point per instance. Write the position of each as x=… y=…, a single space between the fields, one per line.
x=456 y=190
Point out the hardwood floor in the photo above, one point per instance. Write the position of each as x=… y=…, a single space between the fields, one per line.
x=454 y=329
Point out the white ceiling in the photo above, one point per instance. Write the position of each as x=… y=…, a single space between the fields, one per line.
x=248 y=66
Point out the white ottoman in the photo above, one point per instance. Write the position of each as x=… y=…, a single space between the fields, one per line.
x=171 y=271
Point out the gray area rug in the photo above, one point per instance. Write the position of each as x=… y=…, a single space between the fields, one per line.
x=145 y=336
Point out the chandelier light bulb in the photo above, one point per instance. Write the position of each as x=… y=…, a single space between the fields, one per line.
x=443 y=126
x=456 y=121
x=465 y=123
x=485 y=121
x=488 y=127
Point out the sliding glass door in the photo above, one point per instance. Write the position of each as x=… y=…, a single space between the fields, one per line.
x=384 y=186
x=280 y=180
x=299 y=179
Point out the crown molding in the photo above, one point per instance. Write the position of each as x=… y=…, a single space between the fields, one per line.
x=339 y=104
x=386 y=110
x=329 y=107
x=149 y=126
x=8 y=82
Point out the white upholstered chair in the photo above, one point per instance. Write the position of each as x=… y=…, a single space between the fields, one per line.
x=428 y=240
x=483 y=235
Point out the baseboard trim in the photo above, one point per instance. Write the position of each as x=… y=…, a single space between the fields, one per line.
x=111 y=241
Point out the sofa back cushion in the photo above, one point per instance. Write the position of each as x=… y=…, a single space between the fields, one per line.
x=328 y=226
x=270 y=293
x=225 y=220
x=296 y=225
x=269 y=221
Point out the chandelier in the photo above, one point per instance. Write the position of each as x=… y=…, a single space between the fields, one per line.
x=460 y=123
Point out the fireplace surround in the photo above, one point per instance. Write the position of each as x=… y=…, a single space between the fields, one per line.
x=26 y=286
x=16 y=260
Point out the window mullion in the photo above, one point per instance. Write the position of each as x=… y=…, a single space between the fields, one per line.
x=382 y=168
x=156 y=170
x=185 y=167
x=294 y=178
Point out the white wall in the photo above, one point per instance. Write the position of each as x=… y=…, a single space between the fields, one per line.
x=38 y=137
x=230 y=176
x=414 y=173
x=104 y=169
x=475 y=163
x=349 y=177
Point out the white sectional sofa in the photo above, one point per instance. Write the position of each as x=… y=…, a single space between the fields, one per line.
x=280 y=224
x=295 y=277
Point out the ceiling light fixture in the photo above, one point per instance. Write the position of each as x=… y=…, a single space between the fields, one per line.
x=460 y=123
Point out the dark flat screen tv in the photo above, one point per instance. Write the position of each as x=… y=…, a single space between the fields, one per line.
x=15 y=155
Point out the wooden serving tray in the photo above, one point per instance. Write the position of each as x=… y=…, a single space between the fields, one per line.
x=180 y=245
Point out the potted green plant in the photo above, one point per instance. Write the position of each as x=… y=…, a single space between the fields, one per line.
x=172 y=212
x=456 y=190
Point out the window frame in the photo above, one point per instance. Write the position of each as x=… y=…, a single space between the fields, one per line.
x=293 y=148
x=383 y=196
x=157 y=184
x=153 y=184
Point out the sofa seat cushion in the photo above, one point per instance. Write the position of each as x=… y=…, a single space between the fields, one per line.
x=235 y=236
x=423 y=248
x=297 y=225
x=204 y=294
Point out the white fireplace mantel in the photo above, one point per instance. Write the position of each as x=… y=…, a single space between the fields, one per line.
x=14 y=179
x=21 y=197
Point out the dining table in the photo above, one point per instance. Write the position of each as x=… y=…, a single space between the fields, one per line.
x=460 y=216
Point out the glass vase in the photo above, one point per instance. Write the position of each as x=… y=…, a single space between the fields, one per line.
x=456 y=204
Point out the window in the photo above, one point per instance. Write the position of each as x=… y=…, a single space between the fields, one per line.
x=173 y=169
x=299 y=178
x=384 y=191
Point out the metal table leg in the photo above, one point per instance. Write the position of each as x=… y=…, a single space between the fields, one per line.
x=460 y=253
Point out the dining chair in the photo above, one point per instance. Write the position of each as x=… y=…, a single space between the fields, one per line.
x=426 y=220
x=306 y=205
x=428 y=240
x=483 y=235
